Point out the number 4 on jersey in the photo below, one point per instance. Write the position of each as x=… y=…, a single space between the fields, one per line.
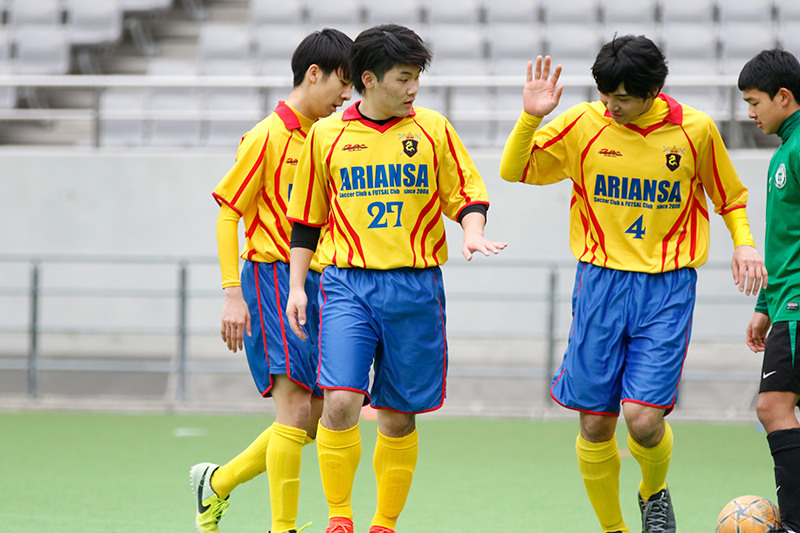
x=637 y=229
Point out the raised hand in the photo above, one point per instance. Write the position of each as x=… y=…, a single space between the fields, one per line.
x=542 y=92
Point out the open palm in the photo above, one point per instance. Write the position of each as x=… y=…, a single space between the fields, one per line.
x=542 y=92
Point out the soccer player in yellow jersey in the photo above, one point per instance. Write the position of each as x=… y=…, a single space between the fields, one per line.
x=379 y=177
x=641 y=166
x=257 y=188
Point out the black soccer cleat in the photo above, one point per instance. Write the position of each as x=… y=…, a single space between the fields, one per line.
x=657 y=513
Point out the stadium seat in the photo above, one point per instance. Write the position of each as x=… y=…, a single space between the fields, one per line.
x=429 y=97
x=512 y=11
x=332 y=14
x=573 y=46
x=219 y=45
x=740 y=41
x=690 y=49
x=787 y=11
x=243 y=109
x=452 y=12
x=458 y=50
x=789 y=36
x=179 y=131
x=41 y=49
x=574 y=12
x=275 y=45
x=145 y=5
x=8 y=95
x=639 y=12
x=407 y=13
x=122 y=118
x=5 y=48
x=649 y=30
x=94 y=23
x=34 y=12
x=471 y=109
x=688 y=11
x=275 y=12
x=511 y=46
x=751 y=11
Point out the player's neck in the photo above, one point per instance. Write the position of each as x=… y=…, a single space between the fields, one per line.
x=299 y=101
x=373 y=113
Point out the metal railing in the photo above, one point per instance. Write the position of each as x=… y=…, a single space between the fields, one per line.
x=95 y=85
x=549 y=296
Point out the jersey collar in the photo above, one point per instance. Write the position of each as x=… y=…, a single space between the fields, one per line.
x=352 y=113
x=664 y=109
x=292 y=119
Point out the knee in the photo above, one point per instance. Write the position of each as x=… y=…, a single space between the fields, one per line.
x=341 y=409
x=646 y=429
x=396 y=425
x=769 y=413
x=598 y=428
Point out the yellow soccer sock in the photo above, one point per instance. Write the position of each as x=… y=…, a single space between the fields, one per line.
x=394 y=461
x=654 y=463
x=339 y=453
x=599 y=464
x=244 y=467
x=284 y=453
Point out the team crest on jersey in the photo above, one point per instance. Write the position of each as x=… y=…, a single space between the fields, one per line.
x=673 y=158
x=780 y=176
x=410 y=142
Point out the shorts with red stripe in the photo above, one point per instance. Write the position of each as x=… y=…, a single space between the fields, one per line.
x=390 y=320
x=274 y=349
x=628 y=341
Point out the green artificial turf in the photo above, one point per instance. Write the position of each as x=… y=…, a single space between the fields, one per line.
x=62 y=472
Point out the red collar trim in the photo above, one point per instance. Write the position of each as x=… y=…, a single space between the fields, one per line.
x=288 y=117
x=352 y=113
x=674 y=113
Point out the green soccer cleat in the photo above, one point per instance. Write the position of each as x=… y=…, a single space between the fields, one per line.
x=210 y=507
x=657 y=513
x=339 y=525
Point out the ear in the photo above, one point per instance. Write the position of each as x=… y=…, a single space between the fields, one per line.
x=314 y=73
x=369 y=79
x=783 y=96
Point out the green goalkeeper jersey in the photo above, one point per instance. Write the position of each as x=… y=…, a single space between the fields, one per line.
x=781 y=299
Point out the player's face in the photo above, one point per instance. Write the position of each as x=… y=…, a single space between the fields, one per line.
x=394 y=95
x=330 y=93
x=765 y=111
x=623 y=107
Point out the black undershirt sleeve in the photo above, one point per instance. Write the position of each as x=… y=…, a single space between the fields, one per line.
x=304 y=236
x=474 y=208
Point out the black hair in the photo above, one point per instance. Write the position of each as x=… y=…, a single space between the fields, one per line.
x=769 y=71
x=633 y=61
x=381 y=48
x=329 y=49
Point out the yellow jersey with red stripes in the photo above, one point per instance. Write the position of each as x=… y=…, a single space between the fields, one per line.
x=259 y=184
x=381 y=190
x=639 y=189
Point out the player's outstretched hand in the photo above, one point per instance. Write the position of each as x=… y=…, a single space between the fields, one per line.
x=296 y=306
x=757 y=332
x=479 y=243
x=235 y=319
x=749 y=272
x=542 y=92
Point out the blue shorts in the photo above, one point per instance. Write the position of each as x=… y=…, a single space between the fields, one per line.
x=393 y=321
x=628 y=340
x=273 y=348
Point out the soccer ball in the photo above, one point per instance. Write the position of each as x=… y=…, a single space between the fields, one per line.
x=748 y=514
